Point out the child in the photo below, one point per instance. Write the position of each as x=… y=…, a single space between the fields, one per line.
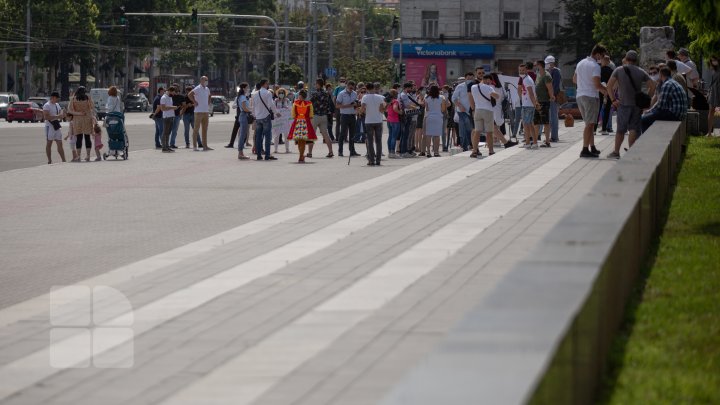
x=72 y=139
x=98 y=142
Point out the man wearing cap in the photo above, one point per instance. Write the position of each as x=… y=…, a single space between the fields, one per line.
x=626 y=79
x=693 y=76
x=53 y=112
x=556 y=75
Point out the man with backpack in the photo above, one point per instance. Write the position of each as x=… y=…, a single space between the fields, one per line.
x=628 y=79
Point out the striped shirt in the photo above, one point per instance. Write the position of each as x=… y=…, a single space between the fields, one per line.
x=672 y=98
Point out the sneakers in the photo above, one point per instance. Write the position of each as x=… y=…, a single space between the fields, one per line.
x=392 y=156
x=271 y=157
x=613 y=155
x=545 y=145
x=604 y=133
x=533 y=146
x=594 y=151
x=510 y=144
x=587 y=154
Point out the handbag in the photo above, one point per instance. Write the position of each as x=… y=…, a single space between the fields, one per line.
x=642 y=100
x=411 y=112
x=56 y=123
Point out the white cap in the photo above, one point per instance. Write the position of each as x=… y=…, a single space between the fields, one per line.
x=549 y=59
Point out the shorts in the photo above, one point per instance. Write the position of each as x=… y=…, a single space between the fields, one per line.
x=484 y=120
x=52 y=134
x=589 y=108
x=528 y=113
x=628 y=119
x=542 y=115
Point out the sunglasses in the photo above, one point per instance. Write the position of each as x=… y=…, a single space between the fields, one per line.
x=652 y=71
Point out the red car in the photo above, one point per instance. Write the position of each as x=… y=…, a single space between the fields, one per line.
x=570 y=109
x=25 y=111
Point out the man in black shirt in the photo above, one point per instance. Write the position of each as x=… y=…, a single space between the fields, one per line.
x=321 y=101
x=178 y=100
x=187 y=113
x=605 y=73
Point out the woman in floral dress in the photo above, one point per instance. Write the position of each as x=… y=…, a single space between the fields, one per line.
x=301 y=130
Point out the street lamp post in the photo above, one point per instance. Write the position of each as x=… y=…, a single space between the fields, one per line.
x=27 y=52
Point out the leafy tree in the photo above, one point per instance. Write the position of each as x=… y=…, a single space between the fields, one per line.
x=367 y=70
x=289 y=73
x=702 y=18
x=575 y=37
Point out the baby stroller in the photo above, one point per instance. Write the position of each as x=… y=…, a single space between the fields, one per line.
x=117 y=138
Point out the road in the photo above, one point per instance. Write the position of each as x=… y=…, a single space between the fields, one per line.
x=23 y=144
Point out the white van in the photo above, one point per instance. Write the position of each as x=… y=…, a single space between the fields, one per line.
x=100 y=96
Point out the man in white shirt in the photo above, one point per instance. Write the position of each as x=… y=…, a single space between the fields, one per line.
x=373 y=105
x=482 y=95
x=200 y=97
x=462 y=106
x=526 y=94
x=263 y=105
x=693 y=76
x=168 y=114
x=587 y=78
x=53 y=112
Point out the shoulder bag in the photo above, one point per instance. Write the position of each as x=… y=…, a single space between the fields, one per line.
x=492 y=101
x=411 y=112
x=272 y=114
x=642 y=100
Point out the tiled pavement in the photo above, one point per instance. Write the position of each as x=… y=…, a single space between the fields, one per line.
x=333 y=284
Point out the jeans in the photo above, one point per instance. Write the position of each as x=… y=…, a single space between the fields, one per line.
x=348 y=124
x=656 y=115
x=167 y=128
x=605 y=108
x=374 y=142
x=554 y=121
x=407 y=132
x=517 y=119
x=360 y=128
x=263 y=130
x=465 y=129
x=176 y=124
x=244 y=129
x=158 y=132
x=393 y=132
x=188 y=122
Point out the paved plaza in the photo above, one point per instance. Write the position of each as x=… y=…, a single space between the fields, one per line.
x=246 y=282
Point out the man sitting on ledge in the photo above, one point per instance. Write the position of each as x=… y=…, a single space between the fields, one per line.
x=671 y=102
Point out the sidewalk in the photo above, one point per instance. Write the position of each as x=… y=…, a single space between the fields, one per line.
x=265 y=282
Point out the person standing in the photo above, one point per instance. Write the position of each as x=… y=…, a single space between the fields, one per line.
x=243 y=115
x=347 y=103
x=331 y=115
x=113 y=101
x=200 y=97
x=157 y=117
x=53 y=114
x=556 y=75
x=605 y=105
x=321 y=101
x=587 y=78
x=526 y=94
x=281 y=126
x=372 y=107
x=236 y=124
x=393 y=121
x=714 y=96
x=544 y=95
x=168 y=113
x=83 y=112
x=301 y=130
x=338 y=89
x=187 y=112
x=628 y=79
x=435 y=109
x=693 y=77
x=482 y=95
x=265 y=111
x=178 y=101
x=461 y=100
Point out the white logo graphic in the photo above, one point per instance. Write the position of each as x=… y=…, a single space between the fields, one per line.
x=437 y=52
x=90 y=324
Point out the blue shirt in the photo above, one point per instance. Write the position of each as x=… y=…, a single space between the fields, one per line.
x=556 y=79
x=346 y=97
x=672 y=98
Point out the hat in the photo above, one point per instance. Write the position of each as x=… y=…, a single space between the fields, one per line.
x=55 y=94
x=549 y=59
x=301 y=83
x=631 y=56
x=684 y=52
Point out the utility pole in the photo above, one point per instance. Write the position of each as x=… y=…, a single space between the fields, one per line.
x=314 y=64
x=362 y=35
x=27 y=52
x=199 y=53
x=331 y=37
x=286 y=51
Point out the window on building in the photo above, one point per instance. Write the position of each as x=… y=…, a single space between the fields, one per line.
x=430 y=24
x=551 y=24
x=512 y=25
x=472 y=24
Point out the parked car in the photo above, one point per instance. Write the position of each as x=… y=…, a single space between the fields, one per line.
x=24 y=111
x=571 y=109
x=39 y=100
x=5 y=100
x=136 y=102
x=219 y=104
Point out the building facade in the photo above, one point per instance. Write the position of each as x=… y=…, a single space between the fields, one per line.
x=458 y=35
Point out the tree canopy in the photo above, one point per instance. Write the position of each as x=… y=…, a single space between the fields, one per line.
x=702 y=18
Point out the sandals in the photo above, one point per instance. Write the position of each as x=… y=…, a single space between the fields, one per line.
x=309 y=155
x=329 y=155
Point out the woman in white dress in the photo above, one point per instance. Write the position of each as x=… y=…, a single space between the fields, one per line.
x=281 y=124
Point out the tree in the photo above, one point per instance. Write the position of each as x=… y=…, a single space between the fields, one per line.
x=367 y=70
x=702 y=18
x=575 y=37
x=618 y=23
x=289 y=74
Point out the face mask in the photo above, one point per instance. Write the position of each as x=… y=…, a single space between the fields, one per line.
x=655 y=77
x=523 y=75
x=281 y=95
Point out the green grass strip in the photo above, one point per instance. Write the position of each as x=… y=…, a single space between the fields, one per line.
x=668 y=349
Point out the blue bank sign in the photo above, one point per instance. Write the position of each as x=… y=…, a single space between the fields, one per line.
x=450 y=51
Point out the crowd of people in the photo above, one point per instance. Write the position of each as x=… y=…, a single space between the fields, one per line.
x=420 y=119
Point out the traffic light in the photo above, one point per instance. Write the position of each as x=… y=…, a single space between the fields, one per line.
x=122 y=20
x=402 y=70
x=395 y=23
x=194 y=17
